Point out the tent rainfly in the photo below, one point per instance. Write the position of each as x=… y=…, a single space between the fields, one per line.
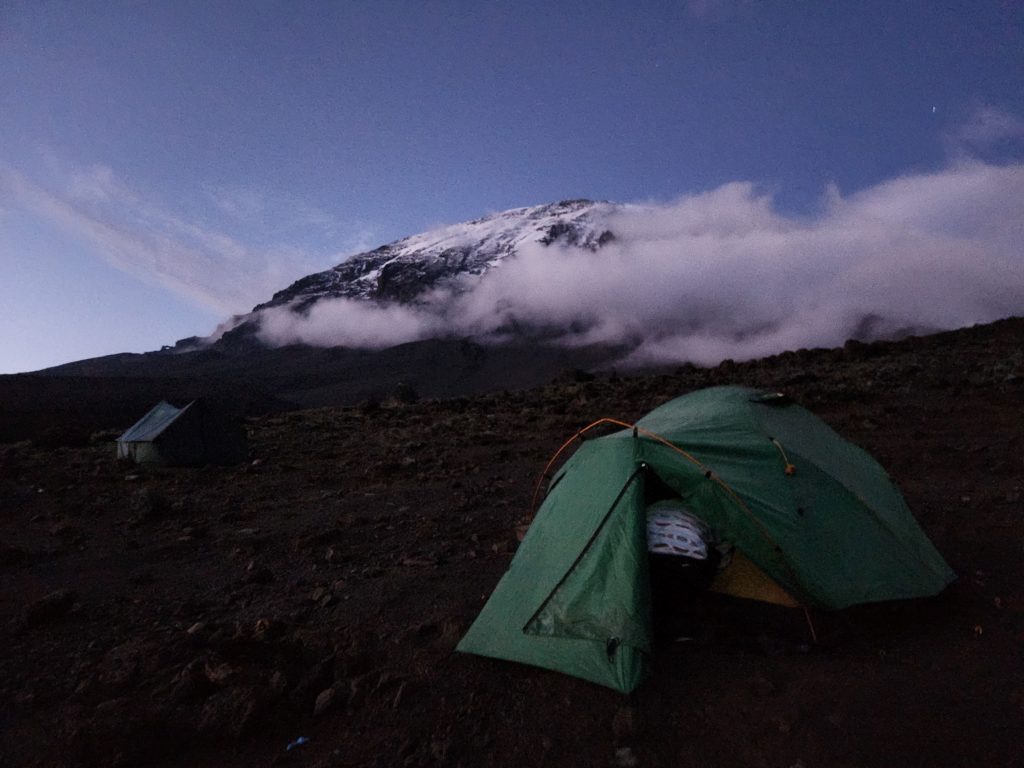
x=815 y=521
x=189 y=436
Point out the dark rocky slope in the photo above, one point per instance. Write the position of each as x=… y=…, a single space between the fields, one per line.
x=209 y=617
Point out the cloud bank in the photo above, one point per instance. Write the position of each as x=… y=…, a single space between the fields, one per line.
x=725 y=274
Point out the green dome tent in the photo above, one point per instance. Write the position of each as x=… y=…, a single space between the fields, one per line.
x=816 y=519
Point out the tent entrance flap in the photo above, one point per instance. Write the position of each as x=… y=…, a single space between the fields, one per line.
x=548 y=575
x=605 y=593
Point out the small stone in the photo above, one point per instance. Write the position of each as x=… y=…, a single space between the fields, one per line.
x=120 y=666
x=234 y=711
x=324 y=701
x=190 y=683
x=218 y=674
x=624 y=758
x=624 y=723
x=264 y=628
x=761 y=686
x=278 y=683
x=146 y=504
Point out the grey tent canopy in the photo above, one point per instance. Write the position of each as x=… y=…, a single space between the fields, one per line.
x=193 y=435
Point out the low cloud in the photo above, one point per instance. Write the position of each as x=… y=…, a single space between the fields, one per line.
x=725 y=274
x=349 y=323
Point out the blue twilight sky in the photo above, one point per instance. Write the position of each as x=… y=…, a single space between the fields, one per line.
x=165 y=164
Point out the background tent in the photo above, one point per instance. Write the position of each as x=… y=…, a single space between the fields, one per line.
x=814 y=519
x=193 y=435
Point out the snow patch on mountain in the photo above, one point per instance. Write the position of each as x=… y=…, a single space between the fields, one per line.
x=407 y=269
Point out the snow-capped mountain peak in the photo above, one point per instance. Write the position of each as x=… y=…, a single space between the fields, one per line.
x=405 y=269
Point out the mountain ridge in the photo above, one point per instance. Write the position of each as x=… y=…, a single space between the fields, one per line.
x=426 y=273
x=406 y=268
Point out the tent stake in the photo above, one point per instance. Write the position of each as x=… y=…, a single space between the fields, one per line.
x=810 y=625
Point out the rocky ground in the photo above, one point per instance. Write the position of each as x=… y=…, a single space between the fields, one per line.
x=213 y=616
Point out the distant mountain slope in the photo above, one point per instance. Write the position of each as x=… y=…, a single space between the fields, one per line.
x=67 y=403
x=405 y=272
x=316 y=376
x=405 y=269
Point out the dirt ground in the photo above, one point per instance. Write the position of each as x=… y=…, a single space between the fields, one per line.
x=212 y=616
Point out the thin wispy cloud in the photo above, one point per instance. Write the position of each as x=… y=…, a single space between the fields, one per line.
x=280 y=218
x=991 y=124
x=187 y=256
x=275 y=213
x=988 y=127
x=238 y=202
